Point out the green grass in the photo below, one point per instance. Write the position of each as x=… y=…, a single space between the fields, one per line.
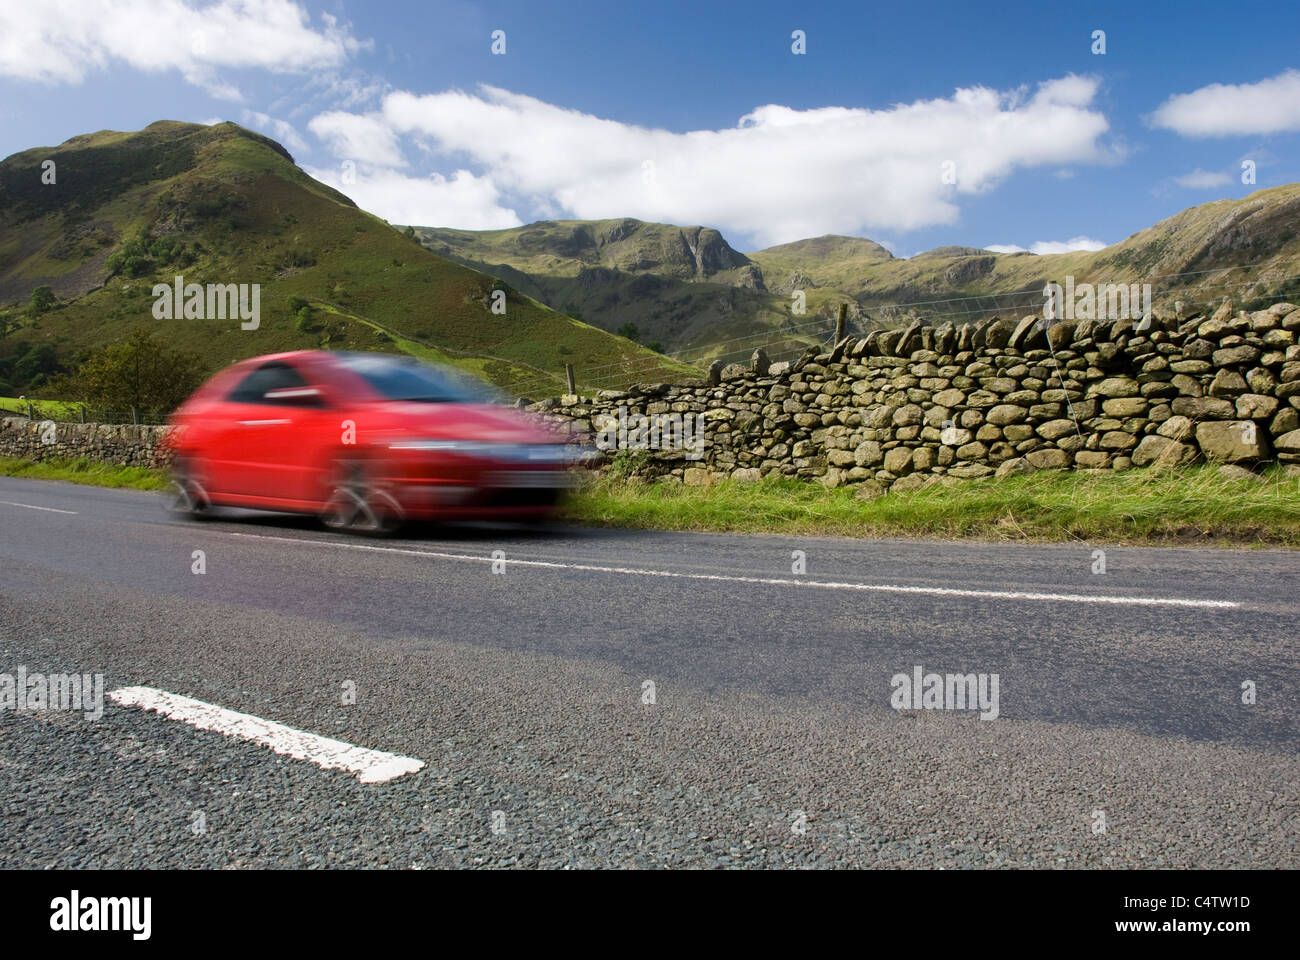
x=51 y=409
x=85 y=471
x=1193 y=505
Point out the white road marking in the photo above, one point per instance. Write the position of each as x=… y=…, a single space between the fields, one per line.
x=777 y=581
x=29 y=506
x=370 y=766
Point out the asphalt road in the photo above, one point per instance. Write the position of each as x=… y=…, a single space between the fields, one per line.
x=1121 y=737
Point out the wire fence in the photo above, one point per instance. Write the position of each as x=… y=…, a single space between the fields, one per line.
x=62 y=411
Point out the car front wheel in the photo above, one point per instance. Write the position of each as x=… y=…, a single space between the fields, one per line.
x=358 y=503
x=187 y=495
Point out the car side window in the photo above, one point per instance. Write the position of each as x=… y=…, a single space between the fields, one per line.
x=269 y=376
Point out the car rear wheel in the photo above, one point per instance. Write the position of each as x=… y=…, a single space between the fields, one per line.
x=187 y=495
x=358 y=503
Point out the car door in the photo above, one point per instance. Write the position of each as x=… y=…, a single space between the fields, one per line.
x=269 y=411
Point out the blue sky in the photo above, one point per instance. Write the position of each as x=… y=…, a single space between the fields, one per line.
x=915 y=124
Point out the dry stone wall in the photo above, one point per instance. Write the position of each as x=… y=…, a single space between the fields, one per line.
x=122 y=445
x=902 y=406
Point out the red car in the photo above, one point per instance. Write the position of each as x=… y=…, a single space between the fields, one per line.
x=364 y=440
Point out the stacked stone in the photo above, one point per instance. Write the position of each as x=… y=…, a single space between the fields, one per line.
x=919 y=404
x=902 y=406
x=122 y=445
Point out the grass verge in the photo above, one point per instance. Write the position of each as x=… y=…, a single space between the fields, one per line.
x=85 y=471
x=1192 y=505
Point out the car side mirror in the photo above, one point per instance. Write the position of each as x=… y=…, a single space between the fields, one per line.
x=296 y=396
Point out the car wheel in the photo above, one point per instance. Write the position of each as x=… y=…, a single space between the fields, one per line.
x=358 y=504
x=186 y=495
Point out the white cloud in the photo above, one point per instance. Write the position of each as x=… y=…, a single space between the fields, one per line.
x=461 y=200
x=1224 y=109
x=62 y=41
x=281 y=130
x=781 y=174
x=1200 y=179
x=365 y=138
x=1049 y=246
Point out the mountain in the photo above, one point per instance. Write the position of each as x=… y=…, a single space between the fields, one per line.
x=678 y=286
x=1244 y=248
x=688 y=289
x=223 y=205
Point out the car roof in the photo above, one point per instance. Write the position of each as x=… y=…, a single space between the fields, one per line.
x=329 y=355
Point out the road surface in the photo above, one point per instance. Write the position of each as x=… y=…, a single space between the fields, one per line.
x=588 y=698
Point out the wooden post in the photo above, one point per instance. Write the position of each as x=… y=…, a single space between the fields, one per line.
x=82 y=408
x=135 y=415
x=840 y=319
x=569 y=378
x=31 y=413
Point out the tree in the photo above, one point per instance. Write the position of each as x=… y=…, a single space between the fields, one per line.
x=42 y=299
x=35 y=366
x=628 y=330
x=139 y=373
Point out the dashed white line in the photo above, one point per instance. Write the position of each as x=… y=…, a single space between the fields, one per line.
x=775 y=581
x=370 y=766
x=30 y=506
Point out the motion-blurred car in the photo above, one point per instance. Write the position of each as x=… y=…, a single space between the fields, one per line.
x=364 y=440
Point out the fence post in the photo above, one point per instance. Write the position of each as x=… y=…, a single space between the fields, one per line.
x=82 y=408
x=840 y=322
x=135 y=415
x=568 y=376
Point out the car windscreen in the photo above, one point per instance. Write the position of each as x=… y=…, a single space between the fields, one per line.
x=396 y=378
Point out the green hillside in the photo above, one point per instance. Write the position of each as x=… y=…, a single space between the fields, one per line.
x=1245 y=248
x=688 y=289
x=224 y=205
x=680 y=287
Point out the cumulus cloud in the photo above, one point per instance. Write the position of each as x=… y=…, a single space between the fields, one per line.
x=461 y=200
x=363 y=137
x=1049 y=246
x=1225 y=109
x=780 y=174
x=62 y=41
x=1200 y=179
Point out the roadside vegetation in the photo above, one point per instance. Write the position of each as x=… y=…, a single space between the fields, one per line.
x=86 y=472
x=1192 y=506
x=1196 y=505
